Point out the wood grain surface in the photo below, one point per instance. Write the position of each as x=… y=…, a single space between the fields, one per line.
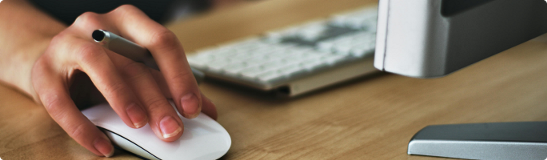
x=371 y=117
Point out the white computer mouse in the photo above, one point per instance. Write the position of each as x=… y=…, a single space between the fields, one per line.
x=203 y=137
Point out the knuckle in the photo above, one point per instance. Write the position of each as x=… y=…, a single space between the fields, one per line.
x=156 y=103
x=164 y=37
x=57 y=41
x=87 y=18
x=114 y=88
x=53 y=106
x=51 y=102
x=182 y=77
x=126 y=7
x=40 y=66
x=78 y=131
x=58 y=44
x=89 y=15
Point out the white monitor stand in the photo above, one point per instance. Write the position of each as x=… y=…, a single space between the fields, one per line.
x=433 y=38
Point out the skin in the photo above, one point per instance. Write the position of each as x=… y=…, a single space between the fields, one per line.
x=62 y=68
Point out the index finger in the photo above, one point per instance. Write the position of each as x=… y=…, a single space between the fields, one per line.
x=56 y=100
x=134 y=25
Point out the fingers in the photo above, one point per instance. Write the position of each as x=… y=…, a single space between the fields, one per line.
x=164 y=120
x=93 y=60
x=53 y=94
x=134 y=92
x=161 y=83
x=208 y=107
x=131 y=23
x=168 y=53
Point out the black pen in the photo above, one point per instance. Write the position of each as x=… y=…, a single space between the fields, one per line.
x=131 y=50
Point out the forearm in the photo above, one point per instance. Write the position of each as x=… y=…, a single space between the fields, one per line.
x=25 y=33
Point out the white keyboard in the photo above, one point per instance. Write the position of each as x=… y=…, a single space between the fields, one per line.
x=297 y=59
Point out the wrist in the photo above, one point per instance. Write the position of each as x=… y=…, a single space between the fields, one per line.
x=17 y=67
x=22 y=41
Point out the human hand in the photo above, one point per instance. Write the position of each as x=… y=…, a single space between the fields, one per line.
x=135 y=92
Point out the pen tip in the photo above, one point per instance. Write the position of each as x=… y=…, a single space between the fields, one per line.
x=98 y=35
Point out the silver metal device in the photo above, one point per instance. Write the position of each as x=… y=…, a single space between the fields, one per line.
x=433 y=38
x=131 y=50
x=499 y=141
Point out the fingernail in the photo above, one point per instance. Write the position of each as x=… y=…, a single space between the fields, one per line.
x=104 y=146
x=169 y=127
x=190 y=105
x=137 y=115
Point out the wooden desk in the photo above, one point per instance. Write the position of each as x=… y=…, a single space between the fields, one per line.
x=368 y=118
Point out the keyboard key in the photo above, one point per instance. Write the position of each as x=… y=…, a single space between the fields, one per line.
x=252 y=73
x=291 y=70
x=270 y=77
x=235 y=69
x=313 y=65
x=361 y=52
x=325 y=46
x=335 y=59
x=342 y=48
x=272 y=65
x=197 y=63
x=312 y=31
